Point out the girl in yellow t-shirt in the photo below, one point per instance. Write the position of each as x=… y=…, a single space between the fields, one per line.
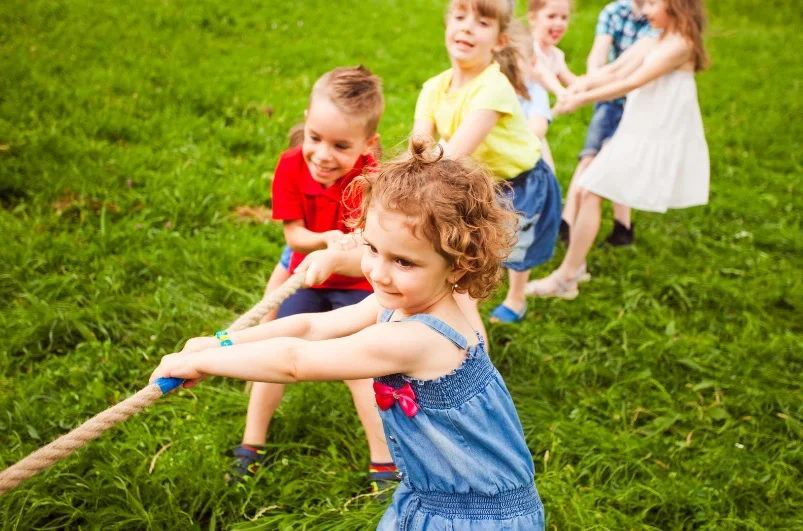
x=474 y=110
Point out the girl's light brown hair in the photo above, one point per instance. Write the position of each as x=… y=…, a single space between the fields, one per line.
x=690 y=22
x=508 y=57
x=520 y=58
x=534 y=6
x=452 y=203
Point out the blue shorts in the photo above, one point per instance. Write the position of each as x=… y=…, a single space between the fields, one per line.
x=287 y=253
x=320 y=300
x=604 y=122
x=536 y=198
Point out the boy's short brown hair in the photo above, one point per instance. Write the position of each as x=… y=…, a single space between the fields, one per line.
x=355 y=91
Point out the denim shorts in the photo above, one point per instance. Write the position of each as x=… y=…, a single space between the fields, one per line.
x=536 y=198
x=604 y=122
x=287 y=253
x=320 y=300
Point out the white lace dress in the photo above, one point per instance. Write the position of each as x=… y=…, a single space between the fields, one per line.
x=658 y=157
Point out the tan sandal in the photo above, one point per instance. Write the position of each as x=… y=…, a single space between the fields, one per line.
x=582 y=274
x=552 y=286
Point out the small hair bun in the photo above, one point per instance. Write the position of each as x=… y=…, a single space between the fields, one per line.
x=424 y=150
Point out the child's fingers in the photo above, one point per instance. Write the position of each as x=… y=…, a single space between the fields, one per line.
x=347 y=242
x=333 y=238
x=189 y=384
x=309 y=266
x=315 y=275
x=155 y=375
x=162 y=372
x=200 y=343
x=164 y=369
x=177 y=366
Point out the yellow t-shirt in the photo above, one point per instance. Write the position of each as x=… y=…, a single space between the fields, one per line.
x=510 y=148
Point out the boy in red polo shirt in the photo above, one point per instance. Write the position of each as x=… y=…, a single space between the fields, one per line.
x=280 y=274
x=308 y=196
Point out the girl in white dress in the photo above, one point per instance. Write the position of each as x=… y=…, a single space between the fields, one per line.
x=658 y=158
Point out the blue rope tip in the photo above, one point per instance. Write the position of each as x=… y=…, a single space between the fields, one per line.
x=168 y=384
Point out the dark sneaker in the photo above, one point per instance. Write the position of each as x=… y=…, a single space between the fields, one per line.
x=249 y=458
x=383 y=479
x=620 y=235
x=563 y=232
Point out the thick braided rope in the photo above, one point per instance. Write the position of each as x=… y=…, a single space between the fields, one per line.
x=72 y=441
x=252 y=316
x=270 y=302
x=94 y=427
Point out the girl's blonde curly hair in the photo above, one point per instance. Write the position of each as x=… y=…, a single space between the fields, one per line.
x=455 y=204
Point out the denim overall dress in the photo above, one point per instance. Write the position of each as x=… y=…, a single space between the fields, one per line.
x=461 y=453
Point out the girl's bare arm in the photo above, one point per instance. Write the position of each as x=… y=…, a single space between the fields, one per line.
x=472 y=131
x=377 y=350
x=623 y=66
x=669 y=55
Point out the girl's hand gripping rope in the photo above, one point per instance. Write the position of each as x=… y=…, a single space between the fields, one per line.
x=182 y=365
x=197 y=344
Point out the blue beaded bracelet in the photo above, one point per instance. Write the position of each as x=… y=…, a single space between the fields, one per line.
x=223 y=336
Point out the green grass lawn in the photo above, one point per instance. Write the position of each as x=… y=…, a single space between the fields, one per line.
x=668 y=396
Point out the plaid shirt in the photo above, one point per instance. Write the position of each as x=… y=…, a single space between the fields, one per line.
x=618 y=20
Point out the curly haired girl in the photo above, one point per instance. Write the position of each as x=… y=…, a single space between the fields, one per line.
x=431 y=227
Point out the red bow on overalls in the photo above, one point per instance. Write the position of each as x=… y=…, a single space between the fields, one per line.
x=386 y=396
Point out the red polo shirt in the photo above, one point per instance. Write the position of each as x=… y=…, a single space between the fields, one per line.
x=296 y=195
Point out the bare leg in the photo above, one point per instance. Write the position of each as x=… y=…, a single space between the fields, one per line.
x=515 y=298
x=265 y=398
x=621 y=213
x=572 y=205
x=563 y=281
x=277 y=278
x=585 y=229
x=363 y=394
x=470 y=308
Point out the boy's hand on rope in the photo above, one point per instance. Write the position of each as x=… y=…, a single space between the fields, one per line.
x=340 y=241
x=333 y=238
x=349 y=242
x=318 y=266
x=182 y=365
